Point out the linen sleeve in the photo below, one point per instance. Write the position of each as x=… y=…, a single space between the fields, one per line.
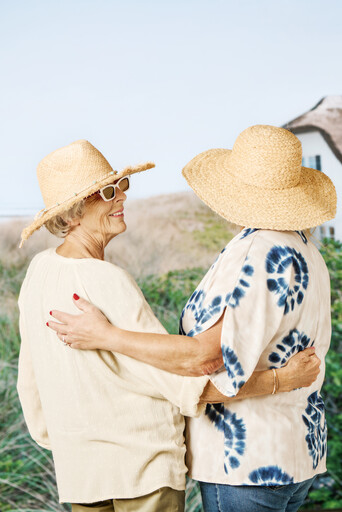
x=29 y=394
x=256 y=305
x=125 y=306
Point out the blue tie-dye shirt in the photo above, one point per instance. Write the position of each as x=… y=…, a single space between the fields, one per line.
x=274 y=291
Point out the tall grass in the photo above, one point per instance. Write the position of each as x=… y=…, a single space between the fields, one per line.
x=27 y=480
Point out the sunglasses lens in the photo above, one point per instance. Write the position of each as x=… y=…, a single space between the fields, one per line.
x=124 y=184
x=109 y=192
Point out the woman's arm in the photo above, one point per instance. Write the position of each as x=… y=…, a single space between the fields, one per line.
x=174 y=353
x=178 y=354
x=301 y=371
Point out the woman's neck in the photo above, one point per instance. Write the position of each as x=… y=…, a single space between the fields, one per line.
x=81 y=246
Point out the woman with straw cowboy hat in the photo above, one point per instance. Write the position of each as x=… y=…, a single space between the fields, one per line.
x=114 y=424
x=266 y=298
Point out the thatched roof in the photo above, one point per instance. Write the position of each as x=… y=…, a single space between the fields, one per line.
x=325 y=117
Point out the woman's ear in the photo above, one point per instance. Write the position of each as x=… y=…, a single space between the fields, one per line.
x=74 y=222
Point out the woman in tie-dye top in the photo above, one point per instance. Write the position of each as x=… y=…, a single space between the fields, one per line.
x=273 y=288
x=268 y=297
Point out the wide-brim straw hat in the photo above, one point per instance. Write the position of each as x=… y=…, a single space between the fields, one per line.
x=70 y=174
x=261 y=182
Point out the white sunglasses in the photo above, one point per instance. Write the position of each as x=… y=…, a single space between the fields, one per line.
x=108 y=192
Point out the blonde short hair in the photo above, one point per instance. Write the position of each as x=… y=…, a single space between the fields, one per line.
x=59 y=225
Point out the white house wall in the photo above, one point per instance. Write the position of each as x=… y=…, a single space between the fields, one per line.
x=313 y=144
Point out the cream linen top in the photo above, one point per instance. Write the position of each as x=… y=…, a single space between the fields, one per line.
x=114 y=425
x=274 y=291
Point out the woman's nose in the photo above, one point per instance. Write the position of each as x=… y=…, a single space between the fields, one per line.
x=120 y=195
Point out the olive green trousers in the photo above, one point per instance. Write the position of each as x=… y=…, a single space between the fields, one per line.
x=161 y=500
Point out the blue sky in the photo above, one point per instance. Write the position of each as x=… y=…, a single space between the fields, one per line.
x=154 y=80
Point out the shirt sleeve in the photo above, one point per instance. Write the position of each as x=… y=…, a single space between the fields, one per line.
x=29 y=394
x=125 y=306
x=256 y=305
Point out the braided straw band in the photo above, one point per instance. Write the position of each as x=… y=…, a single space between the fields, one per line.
x=261 y=182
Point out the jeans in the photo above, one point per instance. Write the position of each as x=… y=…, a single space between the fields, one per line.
x=250 y=498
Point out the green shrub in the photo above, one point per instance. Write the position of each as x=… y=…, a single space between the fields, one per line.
x=215 y=233
x=167 y=294
x=327 y=491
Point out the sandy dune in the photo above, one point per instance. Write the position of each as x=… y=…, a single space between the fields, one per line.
x=163 y=233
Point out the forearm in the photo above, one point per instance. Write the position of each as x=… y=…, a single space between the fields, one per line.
x=260 y=383
x=182 y=355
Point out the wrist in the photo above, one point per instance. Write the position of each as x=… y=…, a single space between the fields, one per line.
x=284 y=379
x=108 y=337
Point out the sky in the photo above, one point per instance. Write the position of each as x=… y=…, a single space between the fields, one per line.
x=156 y=80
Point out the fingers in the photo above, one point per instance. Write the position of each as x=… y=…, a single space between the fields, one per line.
x=58 y=327
x=313 y=368
x=65 y=318
x=308 y=352
x=63 y=340
x=312 y=365
x=316 y=359
x=310 y=358
x=65 y=335
x=67 y=339
x=82 y=304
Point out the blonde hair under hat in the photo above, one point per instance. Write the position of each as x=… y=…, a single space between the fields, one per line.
x=261 y=183
x=70 y=174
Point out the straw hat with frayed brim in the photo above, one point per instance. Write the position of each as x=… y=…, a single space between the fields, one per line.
x=261 y=183
x=70 y=174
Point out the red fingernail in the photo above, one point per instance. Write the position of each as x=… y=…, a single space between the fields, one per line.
x=50 y=312
x=76 y=297
x=47 y=323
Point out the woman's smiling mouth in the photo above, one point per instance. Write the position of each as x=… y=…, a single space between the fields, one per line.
x=117 y=214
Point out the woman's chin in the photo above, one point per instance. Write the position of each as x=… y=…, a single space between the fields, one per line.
x=121 y=227
x=115 y=230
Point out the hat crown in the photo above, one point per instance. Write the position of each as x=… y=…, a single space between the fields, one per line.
x=268 y=157
x=70 y=170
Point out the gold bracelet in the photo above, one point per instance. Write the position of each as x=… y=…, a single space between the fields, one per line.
x=274 y=381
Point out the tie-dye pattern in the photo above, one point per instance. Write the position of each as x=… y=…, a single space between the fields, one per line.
x=314 y=419
x=203 y=313
x=234 y=434
x=272 y=289
x=270 y=475
x=247 y=232
x=294 y=342
x=278 y=261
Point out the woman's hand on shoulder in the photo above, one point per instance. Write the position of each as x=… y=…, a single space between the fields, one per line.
x=301 y=370
x=87 y=331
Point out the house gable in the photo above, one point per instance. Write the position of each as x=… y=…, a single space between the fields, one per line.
x=325 y=117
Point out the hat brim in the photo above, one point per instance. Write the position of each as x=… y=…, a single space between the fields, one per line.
x=309 y=204
x=92 y=189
